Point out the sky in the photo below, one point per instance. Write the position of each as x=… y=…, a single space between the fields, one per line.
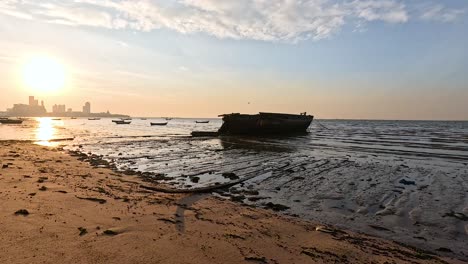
x=343 y=59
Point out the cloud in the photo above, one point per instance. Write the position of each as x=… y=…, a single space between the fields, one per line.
x=386 y=10
x=267 y=20
x=8 y=8
x=440 y=13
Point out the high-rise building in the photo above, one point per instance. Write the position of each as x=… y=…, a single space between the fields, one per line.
x=31 y=109
x=33 y=102
x=87 y=108
x=58 y=109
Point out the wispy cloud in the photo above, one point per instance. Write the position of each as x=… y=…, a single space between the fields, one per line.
x=267 y=20
x=440 y=13
x=385 y=10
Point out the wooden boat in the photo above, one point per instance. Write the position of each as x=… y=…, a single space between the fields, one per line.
x=202 y=122
x=121 y=122
x=158 y=124
x=11 y=121
x=265 y=123
x=94 y=118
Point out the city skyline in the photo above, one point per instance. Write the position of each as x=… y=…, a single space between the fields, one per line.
x=34 y=109
x=341 y=59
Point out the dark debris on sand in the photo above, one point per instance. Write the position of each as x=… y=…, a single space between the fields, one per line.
x=83 y=231
x=22 y=212
x=93 y=199
x=110 y=232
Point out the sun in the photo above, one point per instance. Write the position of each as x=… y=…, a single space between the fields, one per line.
x=44 y=74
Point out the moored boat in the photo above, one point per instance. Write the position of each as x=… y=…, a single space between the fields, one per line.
x=265 y=123
x=11 y=121
x=121 y=122
x=158 y=124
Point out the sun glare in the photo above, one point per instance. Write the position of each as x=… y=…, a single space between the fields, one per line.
x=45 y=131
x=43 y=74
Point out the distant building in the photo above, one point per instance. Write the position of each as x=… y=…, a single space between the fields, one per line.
x=34 y=109
x=87 y=108
x=31 y=109
x=58 y=109
x=26 y=110
x=33 y=102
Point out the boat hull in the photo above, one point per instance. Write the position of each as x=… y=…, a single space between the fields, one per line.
x=11 y=121
x=122 y=123
x=158 y=124
x=264 y=124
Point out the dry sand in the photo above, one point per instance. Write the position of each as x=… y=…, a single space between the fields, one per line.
x=75 y=213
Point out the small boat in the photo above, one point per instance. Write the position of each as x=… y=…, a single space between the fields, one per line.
x=202 y=122
x=73 y=118
x=265 y=124
x=94 y=118
x=159 y=124
x=142 y=118
x=168 y=118
x=11 y=121
x=56 y=119
x=121 y=122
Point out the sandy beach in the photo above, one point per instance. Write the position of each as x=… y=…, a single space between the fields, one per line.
x=57 y=209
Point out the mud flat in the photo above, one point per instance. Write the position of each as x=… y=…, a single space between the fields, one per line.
x=413 y=195
x=57 y=209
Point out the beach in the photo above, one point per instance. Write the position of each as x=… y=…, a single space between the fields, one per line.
x=58 y=209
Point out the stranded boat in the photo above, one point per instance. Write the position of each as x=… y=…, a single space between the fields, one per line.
x=265 y=123
x=11 y=121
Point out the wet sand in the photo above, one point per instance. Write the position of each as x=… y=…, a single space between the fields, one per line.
x=57 y=209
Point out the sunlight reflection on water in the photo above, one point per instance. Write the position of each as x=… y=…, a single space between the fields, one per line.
x=45 y=131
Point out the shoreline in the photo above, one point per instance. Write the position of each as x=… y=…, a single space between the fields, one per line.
x=83 y=214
